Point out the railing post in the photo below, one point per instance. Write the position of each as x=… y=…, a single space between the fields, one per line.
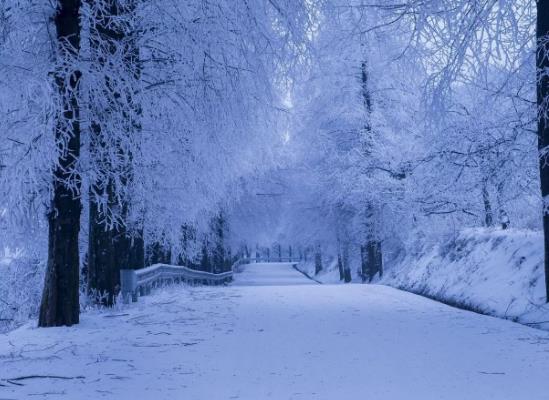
x=128 y=285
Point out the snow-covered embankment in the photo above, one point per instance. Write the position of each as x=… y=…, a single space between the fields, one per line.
x=499 y=273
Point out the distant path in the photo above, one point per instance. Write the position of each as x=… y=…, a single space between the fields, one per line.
x=270 y=274
x=276 y=335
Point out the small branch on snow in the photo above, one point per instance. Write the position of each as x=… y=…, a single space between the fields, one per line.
x=15 y=381
x=165 y=303
x=491 y=373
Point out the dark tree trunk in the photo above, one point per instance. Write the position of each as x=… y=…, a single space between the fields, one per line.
x=363 y=263
x=347 y=277
x=101 y=279
x=488 y=213
x=136 y=258
x=205 y=263
x=340 y=266
x=112 y=246
x=60 y=299
x=219 y=257
x=318 y=260
x=543 y=120
x=228 y=260
x=105 y=239
x=159 y=253
x=187 y=237
x=503 y=217
x=371 y=254
x=133 y=241
x=374 y=259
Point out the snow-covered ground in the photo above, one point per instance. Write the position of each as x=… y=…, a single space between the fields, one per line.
x=295 y=340
x=492 y=271
x=269 y=274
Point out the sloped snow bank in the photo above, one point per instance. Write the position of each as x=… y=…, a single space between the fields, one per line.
x=498 y=273
x=329 y=273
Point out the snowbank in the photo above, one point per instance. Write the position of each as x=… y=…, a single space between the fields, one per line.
x=498 y=273
x=329 y=273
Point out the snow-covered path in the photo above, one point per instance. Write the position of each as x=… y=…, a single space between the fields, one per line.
x=270 y=274
x=290 y=341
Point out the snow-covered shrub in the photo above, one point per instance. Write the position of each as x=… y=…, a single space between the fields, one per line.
x=20 y=287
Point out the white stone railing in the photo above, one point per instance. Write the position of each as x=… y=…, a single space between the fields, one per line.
x=135 y=283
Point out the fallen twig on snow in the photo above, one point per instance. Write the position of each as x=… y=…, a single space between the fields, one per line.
x=491 y=373
x=115 y=315
x=15 y=381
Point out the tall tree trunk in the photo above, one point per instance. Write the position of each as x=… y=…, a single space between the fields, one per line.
x=218 y=251
x=371 y=251
x=364 y=268
x=160 y=252
x=136 y=259
x=103 y=265
x=205 y=262
x=101 y=279
x=503 y=217
x=187 y=237
x=60 y=299
x=347 y=277
x=111 y=245
x=134 y=239
x=318 y=259
x=488 y=213
x=543 y=120
x=374 y=259
x=340 y=265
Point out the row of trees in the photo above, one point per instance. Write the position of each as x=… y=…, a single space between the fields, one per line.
x=413 y=120
x=131 y=125
x=136 y=126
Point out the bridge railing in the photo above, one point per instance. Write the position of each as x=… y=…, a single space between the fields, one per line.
x=135 y=283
